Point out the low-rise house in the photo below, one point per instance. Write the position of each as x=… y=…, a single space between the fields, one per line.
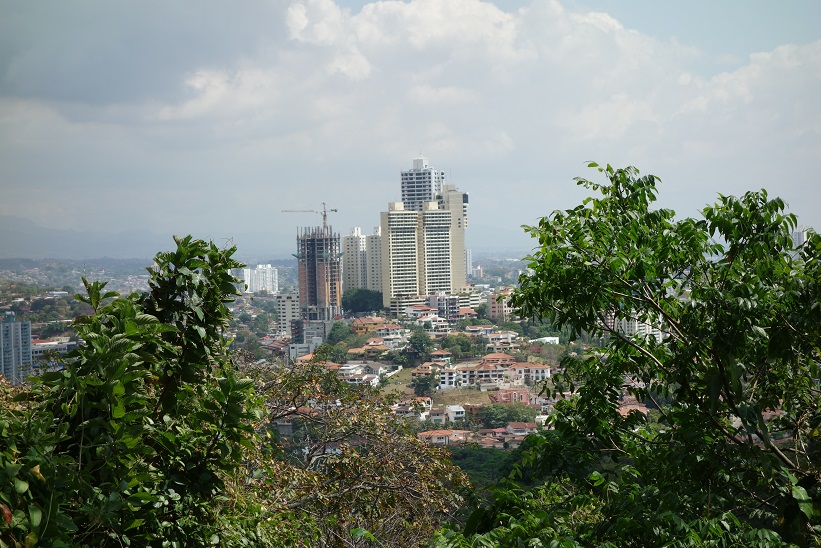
x=419 y=310
x=529 y=373
x=376 y=368
x=521 y=428
x=410 y=411
x=391 y=330
x=444 y=437
x=499 y=358
x=362 y=379
x=427 y=368
x=503 y=346
x=438 y=415
x=455 y=413
x=441 y=356
x=363 y=326
x=480 y=330
x=465 y=313
x=510 y=395
x=449 y=378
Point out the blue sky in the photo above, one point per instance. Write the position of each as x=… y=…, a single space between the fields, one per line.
x=211 y=117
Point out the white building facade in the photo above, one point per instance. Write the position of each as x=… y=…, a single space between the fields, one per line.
x=362 y=260
x=262 y=278
x=15 y=349
x=421 y=184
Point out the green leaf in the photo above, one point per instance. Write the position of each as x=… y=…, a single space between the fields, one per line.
x=20 y=485
x=35 y=515
x=359 y=532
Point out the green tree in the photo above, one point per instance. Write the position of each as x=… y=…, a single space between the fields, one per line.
x=419 y=345
x=339 y=332
x=499 y=415
x=134 y=440
x=734 y=458
x=361 y=300
x=425 y=385
x=350 y=466
x=458 y=341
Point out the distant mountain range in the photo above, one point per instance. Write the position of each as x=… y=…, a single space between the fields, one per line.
x=22 y=238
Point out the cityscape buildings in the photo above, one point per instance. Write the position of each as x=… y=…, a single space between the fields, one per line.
x=15 y=349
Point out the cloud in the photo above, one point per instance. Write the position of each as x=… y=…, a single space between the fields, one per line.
x=292 y=101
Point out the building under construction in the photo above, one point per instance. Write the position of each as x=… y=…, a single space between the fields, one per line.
x=320 y=273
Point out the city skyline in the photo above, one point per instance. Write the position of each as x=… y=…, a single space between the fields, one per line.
x=141 y=121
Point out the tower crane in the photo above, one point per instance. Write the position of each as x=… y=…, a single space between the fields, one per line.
x=324 y=213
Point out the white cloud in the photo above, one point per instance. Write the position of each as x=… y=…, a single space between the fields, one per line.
x=337 y=102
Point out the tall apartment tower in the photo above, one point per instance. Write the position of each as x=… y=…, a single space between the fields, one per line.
x=361 y=260
x=400 y=252
x=417 y=251
x=421 y=184
x=453 y=200
x=15 y=349
x=262 y=278
x=287 y=312
x=320 y=273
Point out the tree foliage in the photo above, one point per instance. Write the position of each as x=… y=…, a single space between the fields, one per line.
x=499 y=415
x=131 y=442
x=734 y=458
x=153 y=435
x=350 y=465
x=359 y=300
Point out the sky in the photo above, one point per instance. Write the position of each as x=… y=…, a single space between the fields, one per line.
x=211 y=117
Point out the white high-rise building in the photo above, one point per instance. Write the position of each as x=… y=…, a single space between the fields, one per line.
x=361 y=260
x=15 y=349
x=287 y=312
x=436 y=250
x=421 y=184
x=423 y=238
x=456 y=201
x=417 y=254
x=262 y=278
x=400 y=252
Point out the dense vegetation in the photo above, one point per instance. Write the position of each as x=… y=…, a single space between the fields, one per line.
x=735 y=456
x=154 y=434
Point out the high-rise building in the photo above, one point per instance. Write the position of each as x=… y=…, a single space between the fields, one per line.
x=421 y=184
x=320 y=273
x=262 y=278
x=400 y=252
x=423 y=238
x=456 y=201
x=287 y=312
x=435 y=250
x=416 y=251
x=361 y=260
x=15 y=349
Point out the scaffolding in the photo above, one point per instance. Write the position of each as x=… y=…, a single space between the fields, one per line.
x=320 y=273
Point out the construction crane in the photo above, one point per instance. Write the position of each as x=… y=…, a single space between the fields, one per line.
x=324 y=213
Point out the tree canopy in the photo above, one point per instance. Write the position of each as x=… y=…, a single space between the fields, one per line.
x=361 y=300
x=714 y=323
x=154 y=434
